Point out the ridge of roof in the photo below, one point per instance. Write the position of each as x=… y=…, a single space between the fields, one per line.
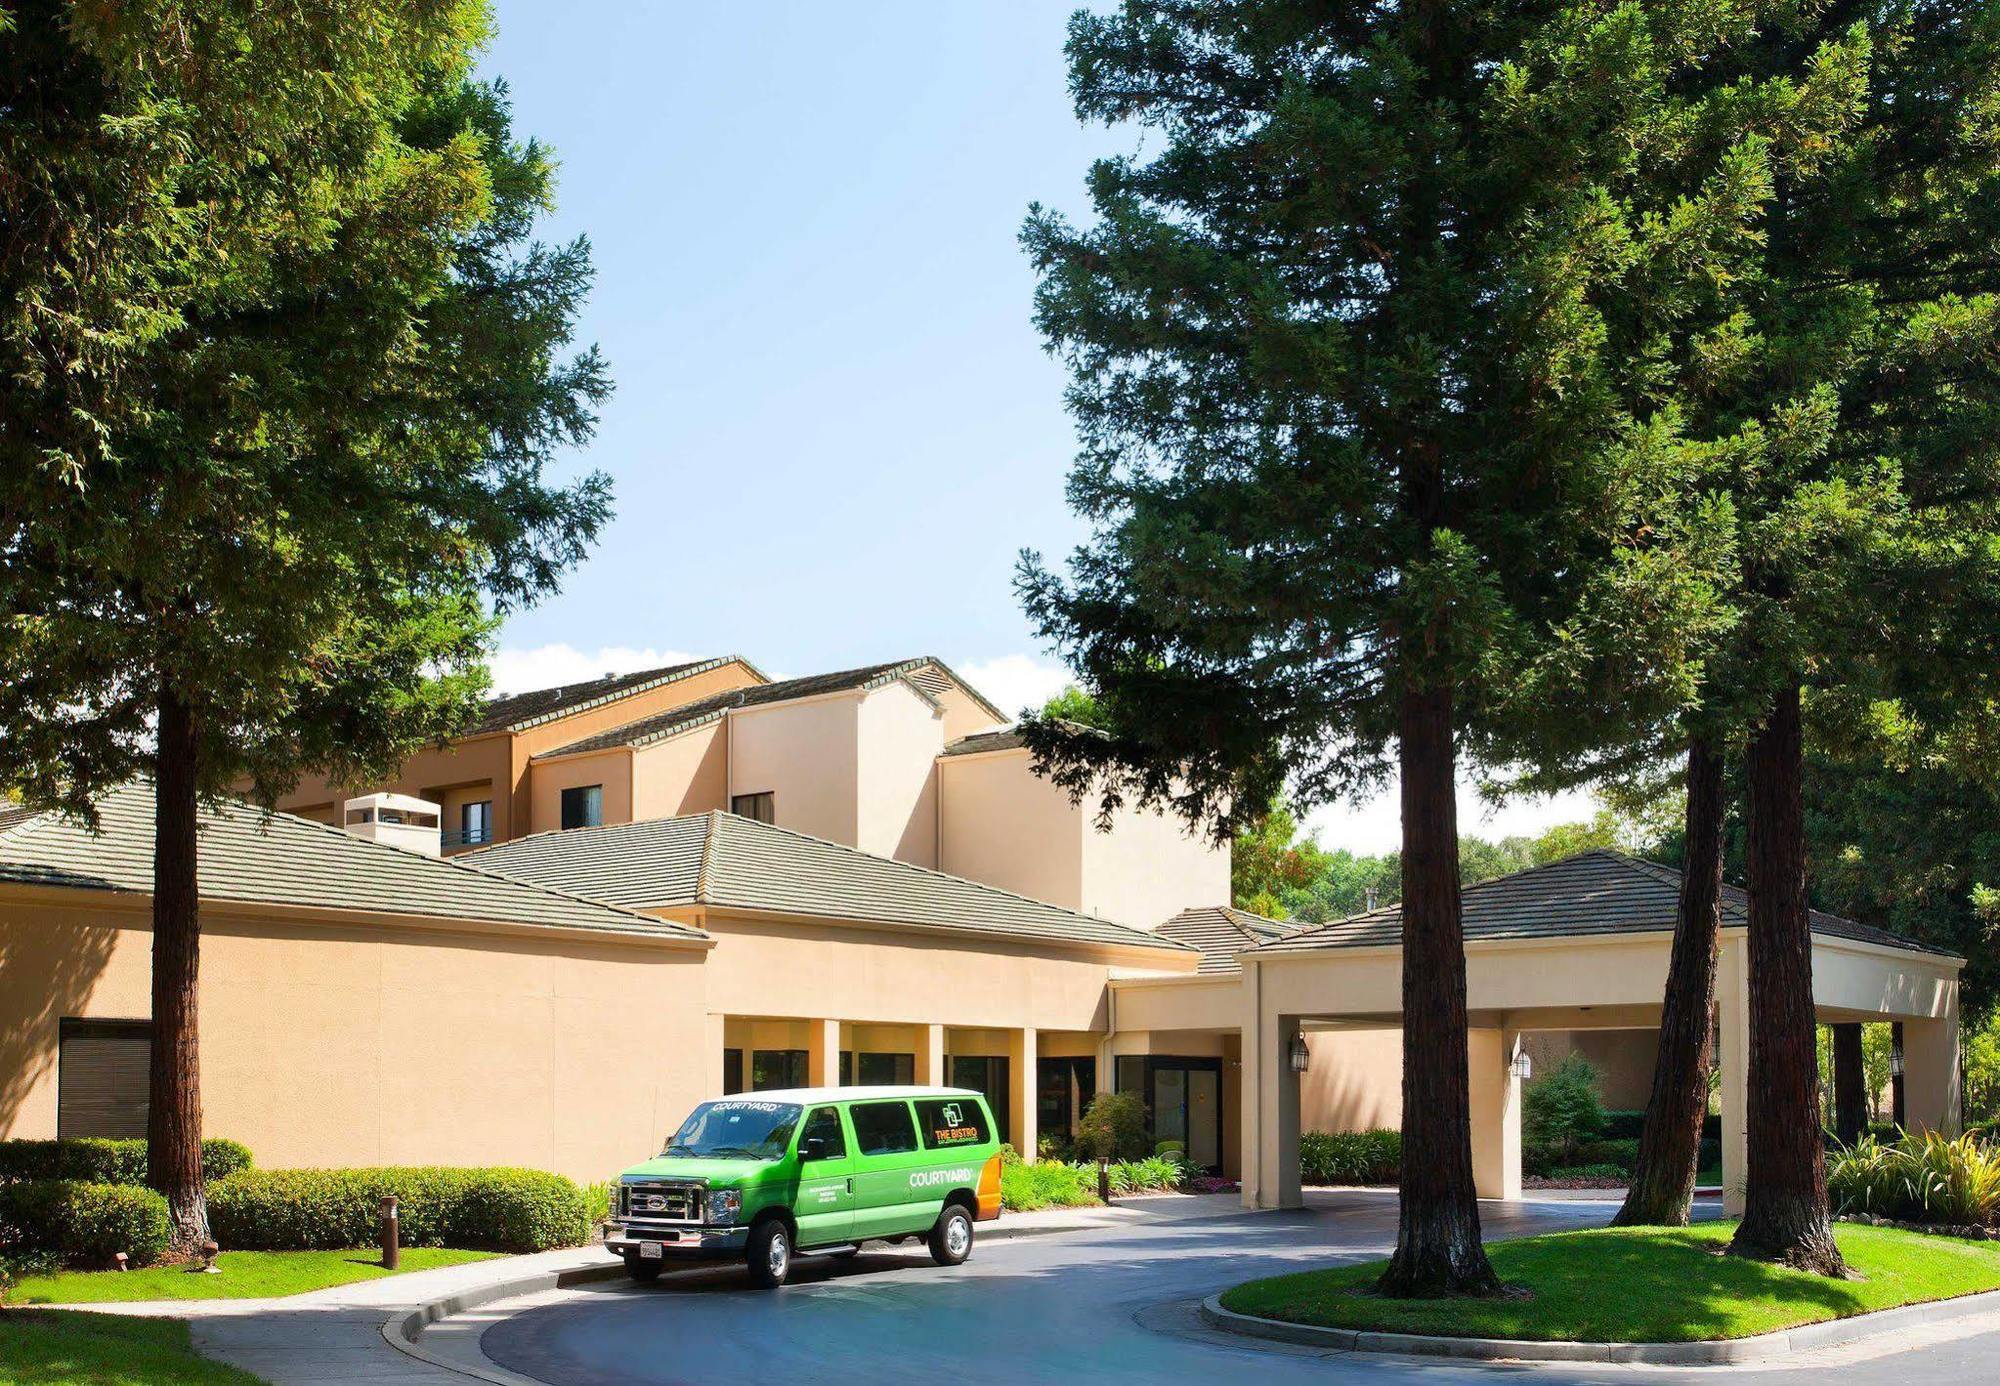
x=593 y=693
x=648 y=731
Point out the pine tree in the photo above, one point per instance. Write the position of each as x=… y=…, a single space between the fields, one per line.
x=284 y=377
x=1372 y=362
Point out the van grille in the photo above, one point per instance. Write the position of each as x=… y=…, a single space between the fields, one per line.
x=659 y=1201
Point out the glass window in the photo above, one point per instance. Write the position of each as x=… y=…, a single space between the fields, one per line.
x=101 y=1077
x=736 y=1129
x=777 y=1068
x=952 y=1121
x=824 y=1126
x=732 y=1071
x=758 y=806
x=583 y=806
x=987 y=1075
x=1064 y=1087
x=475 y=822
x=885 y=1070
x=883 y=1128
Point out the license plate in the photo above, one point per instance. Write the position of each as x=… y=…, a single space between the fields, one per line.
x=650 y=1251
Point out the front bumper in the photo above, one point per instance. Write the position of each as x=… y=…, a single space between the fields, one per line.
x=690 y=1243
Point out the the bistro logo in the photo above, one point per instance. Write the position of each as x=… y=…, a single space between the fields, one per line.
x=955 y=1130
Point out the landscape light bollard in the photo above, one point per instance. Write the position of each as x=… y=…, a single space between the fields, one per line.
x=209 y=1251
x=122 y=1259
x=389 y=1249
x=1103 y=1179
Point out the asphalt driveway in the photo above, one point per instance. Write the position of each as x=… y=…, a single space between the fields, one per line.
x=1115 y=1305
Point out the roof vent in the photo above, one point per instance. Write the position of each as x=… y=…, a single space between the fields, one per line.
x=401 y=820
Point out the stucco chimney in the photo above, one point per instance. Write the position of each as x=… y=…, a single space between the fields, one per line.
x=401 y=820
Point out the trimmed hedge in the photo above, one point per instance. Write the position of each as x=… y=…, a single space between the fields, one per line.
x=331 y=1209
x=92 y=1160
x=1350 y=1157
x=80 y=1224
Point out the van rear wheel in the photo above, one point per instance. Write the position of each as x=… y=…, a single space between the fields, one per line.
x=769 y=1254
x=951 y=1239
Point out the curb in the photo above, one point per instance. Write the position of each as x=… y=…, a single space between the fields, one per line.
x=402 y=1329
x=1711 y=1352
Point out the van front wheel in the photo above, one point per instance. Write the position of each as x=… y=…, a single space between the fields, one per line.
x=769 y=1254
x=641 y=1270
x=951 y=1239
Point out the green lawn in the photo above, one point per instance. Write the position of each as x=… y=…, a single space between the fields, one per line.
x=39 y=1347
x=1639 y=1285
x=245 y=1275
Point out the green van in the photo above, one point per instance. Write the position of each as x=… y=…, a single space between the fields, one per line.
x=766 y=1175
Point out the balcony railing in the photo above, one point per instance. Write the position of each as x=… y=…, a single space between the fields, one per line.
x=464 y=837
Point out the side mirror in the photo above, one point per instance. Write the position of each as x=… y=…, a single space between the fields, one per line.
x=812 y=1148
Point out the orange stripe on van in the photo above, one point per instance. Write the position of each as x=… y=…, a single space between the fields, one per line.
x=989 y=1190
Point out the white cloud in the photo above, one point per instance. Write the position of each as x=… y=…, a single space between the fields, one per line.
x=550 y=666
x=1376 y=826
x=1016 y=681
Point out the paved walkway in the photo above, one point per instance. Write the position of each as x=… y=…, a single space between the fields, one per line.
x=335 y=1335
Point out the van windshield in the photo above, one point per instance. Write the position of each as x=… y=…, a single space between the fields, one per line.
x=739 y=1130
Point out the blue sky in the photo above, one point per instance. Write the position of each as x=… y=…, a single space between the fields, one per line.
x=834 y=425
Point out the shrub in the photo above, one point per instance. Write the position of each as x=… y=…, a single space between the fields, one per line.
x=1350 y=1157
x=1622 y=1154
x=1623 y=1125
x=1588 y=1172
x=81 y=1224
x=1561 y=1109
x=330 y=1209
x=1923 y=1177
x=1045 y=1184
x=92 y=1160
x=1113 y=1127
x=1142 y=1176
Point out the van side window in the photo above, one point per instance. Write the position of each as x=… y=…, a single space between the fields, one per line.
x=883 y=1128
x=952 y=1121
x=824 y=1126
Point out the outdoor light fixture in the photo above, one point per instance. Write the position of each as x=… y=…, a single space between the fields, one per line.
x=1521 y=1066
x=1301 y=1056
x=1895 y=1063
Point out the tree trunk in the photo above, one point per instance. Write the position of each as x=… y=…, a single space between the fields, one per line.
x=1785 y=1215
x=1438 y=1251
x=173 y=1114
x=1850 y=1103
x=1662 y=1189
x=1898 y=1113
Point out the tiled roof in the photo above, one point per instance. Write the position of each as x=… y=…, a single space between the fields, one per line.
x=1221 y=933
x=721 y=860
x=925 y=676
x=246 y=854
x=519 y=711
x=1593 y=893
x=11 y=814
x=1006 y=739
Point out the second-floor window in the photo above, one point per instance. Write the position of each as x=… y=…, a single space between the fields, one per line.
x=583 y=806
x=757 y=806
x=475 y=822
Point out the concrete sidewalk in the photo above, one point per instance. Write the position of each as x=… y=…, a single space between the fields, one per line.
x=336 y=1335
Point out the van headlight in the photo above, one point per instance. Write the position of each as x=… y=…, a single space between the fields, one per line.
x=724 y=1205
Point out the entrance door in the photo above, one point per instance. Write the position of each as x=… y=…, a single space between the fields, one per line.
x=1184 y=1099
x=825 y=1207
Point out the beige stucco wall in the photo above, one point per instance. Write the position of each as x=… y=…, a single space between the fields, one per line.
x=963 y=716
x=804 y=754
x=1147 y=868
x=896 y=810
x=1623 y=1059
x=688 y=773
x=1353 y=1082
x=352 y=1044
x=612 y=769
x=1009 y=828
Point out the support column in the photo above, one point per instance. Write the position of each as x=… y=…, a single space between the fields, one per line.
x=1496 y=1112
x=1930 y=1070
x=823 y=1053
x=930 y=1055
x=715 y=1038
x=1278 y=1154
x=1732 y=1000
x=1021 y=1048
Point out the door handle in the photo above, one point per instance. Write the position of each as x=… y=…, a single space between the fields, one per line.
x=850 y=1183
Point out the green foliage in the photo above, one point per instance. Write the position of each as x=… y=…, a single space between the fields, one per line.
x=1560 y=1111
x=81 y=1224
x=1113 y=1127
x=1982 y=1069
x=40 y=1347
x=1923 y=1177
x=1268 y=858
x=1154 y=1174
x=1350 y=1157
x=515 y=1210
x=244 y=1275
x=1076 y=706
x=1025 y=1188
x=94 y=1160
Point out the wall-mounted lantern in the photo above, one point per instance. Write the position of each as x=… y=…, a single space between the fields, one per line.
x=1521 y=1066
x=1301 y=1056
x=1895 y=1063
